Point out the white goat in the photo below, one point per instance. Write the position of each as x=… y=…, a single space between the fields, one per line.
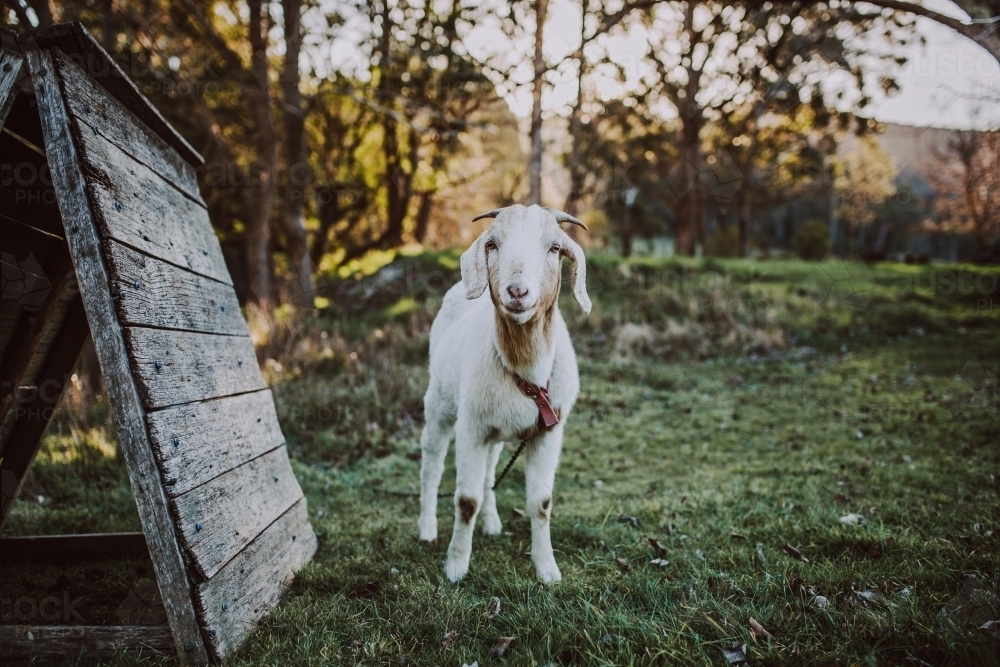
x=480 y=347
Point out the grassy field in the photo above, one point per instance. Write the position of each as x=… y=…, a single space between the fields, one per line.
x=813 y=446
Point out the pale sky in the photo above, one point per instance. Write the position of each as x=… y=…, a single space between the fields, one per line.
x=943 y=84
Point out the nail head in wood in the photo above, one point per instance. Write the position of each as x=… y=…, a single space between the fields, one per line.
x=197 y=527
x=159 y=365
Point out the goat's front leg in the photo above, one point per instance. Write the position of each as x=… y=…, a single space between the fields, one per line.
x=540 y=473
x=491 y=518
x=471 y=455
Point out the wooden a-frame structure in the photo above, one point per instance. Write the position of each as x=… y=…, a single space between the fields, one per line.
x=117 y=244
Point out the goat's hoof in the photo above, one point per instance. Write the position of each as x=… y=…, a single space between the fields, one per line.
x=548 y=573
x=491 y=524
x=455 y=570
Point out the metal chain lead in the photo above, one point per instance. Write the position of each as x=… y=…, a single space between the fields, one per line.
x=509 y=464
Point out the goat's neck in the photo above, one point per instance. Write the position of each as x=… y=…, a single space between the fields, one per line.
x=526 y=349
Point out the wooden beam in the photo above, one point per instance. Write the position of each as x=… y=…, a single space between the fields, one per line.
x=28 y=421
x=85 y=248
x=97 y=641
x=11 y=64
x=72 y=548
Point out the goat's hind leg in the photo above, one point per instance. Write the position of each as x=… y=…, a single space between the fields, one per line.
x=490 y=517
x=434 y=445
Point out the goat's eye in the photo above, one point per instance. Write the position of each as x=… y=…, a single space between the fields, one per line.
x=555 y=248
x=491 y=245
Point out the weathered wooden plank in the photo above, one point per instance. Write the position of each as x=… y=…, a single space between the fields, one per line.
x=85 y=249
x=173 y=367
x=97 y=641
x=197 y=442
x=151 y=292
x=72 y=548
x=74 y=40
x=138 y=208
x=251 y=584
x=11 y=63
x=96 y=109
x=221 y=517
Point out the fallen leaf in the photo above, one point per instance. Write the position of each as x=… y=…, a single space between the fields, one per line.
x=493 y=609
x=737 y=536
x=699 y=554
x=502 y=645
x=735 y=653
x=852 y=519
x=757 y=630
x=449 y=638
x=990 y=625
x=630 y=520
x=795 y=553
x=622 y=563
x=821 y=602
x=659 y=562
x=660 y=550
x=517 y=512
x=609 y=639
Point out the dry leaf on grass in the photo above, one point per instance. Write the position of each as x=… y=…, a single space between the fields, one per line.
x=757 y=630
x=493 y=609
x=630 y=520
x=660 y=550
x=502 y=645
x=517 y=512
x=659 y=562
x=449 y=638
x=852 y=519
x=795 y=553
x=622 y=563
x=737 y=536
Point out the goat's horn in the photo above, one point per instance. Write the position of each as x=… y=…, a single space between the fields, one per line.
x=565 y=217
x=492 y=214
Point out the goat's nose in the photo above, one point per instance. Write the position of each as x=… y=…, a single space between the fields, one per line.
x=517 y=291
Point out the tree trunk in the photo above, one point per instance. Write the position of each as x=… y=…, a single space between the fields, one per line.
x=426 y=203
x=298 y=172
x=535 y=159
x=576 y=172
x=687 y=215
x=259 y=191
x=42 y=10
x=626 y=233
x=744 y=220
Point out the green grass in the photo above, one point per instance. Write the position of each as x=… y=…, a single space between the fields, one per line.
x=748 y=400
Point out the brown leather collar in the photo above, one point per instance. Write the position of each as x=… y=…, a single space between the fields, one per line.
x=547 y=417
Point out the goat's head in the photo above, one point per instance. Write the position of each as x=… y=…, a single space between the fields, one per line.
x=519 y=256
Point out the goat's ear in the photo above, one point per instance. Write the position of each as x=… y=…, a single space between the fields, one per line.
x=578 y=272
x=474 y=273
